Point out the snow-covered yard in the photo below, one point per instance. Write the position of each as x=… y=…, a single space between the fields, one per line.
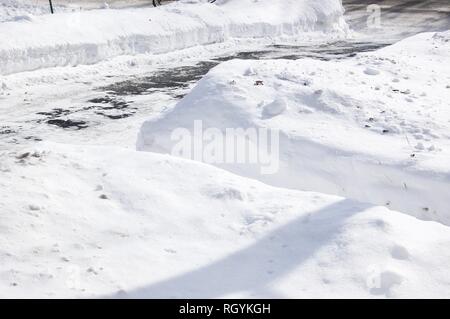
x=95 y=202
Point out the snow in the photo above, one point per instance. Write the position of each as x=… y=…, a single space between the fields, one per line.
x=373 y=128
x=274 y=108
x=82 y=221
x=87 y=37
x=356 y=206
x=11 y=10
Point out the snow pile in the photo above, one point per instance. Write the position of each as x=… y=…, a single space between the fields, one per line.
x=90 y=222
x=372 y=128
x=69 y=39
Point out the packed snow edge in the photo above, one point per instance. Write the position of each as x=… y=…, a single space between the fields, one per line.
x=70 y=39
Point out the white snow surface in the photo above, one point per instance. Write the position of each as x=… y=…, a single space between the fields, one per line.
x=363 y=152
x=14 y=10
x=372 y=128
x=82 y=221
x=86 y=37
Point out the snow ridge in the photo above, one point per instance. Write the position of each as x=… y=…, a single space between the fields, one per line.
x=70 y=39
x=377 y=136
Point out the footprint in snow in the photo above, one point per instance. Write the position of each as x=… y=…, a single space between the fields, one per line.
x=371 y=71
x=225 y=193
x=420 y=146
x=274 y=108
x=382 y=283
x=399 y=252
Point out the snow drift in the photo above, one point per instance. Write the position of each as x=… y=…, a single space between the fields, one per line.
x=101 y=221
x=372 y=128
x=69 y=39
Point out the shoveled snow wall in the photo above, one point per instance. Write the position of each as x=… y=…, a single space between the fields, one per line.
x=363 y=128
x=70 y=39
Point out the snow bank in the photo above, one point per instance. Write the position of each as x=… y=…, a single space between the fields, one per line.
x=69 y=39
x=11 y=10
x=372 y=128
x=99 y=221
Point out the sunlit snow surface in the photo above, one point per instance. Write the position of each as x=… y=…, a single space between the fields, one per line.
x=361 y=210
